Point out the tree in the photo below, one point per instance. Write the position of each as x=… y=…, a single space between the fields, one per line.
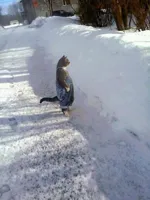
x=95 y=12
x=0 y=10
x=123 y=12
x=1 y=16
x=49 y=5
x=140 y=9
x=13 y=10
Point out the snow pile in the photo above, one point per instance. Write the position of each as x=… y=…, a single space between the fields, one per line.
x=36 y=138
x=38 y=22
x=75 y=17
x=1 y=28
x=13 y=26
x=111 y=68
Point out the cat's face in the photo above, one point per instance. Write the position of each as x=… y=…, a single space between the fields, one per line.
x=66 y=61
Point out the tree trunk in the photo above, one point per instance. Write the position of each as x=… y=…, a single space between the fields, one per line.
x=125 y=16
x=50 y=7
x=117 y=12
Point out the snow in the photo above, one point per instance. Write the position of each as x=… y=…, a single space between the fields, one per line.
x=1 y=28
x=102 y=151
x=119 y=84
x=38 y=22
x=42 y=155
x=13 y=25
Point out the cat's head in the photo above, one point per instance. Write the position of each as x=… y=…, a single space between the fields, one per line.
x=64 y=62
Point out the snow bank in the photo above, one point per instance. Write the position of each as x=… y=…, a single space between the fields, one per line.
x=111 y=68
x=38 y=22
x=13 y=26
x=75 y=17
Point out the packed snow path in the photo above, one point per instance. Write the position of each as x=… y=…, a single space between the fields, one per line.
x=42 y=155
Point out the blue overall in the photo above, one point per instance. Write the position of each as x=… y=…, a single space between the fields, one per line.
x=65 y=98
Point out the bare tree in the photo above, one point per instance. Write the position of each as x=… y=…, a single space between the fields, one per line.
x=49 y=5
x=13 y=10
x=0 y=10
x=1 y=16
x=123 y=11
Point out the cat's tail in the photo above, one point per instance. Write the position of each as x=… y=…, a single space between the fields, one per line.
x=48 y=99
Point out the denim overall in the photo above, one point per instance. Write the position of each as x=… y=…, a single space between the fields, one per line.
x=65 y=98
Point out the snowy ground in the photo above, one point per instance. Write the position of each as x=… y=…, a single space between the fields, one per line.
x=102 y=152
x=13 y=25
x=42 y=155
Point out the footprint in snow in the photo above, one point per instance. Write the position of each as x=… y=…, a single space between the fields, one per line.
x=13 y=122
x=4 y=189
x=133 y=134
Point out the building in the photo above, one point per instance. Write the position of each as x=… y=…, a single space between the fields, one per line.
x=28 y=11
x=35 y=8
x=66 y=5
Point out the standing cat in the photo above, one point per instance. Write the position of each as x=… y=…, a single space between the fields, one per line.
x=64 y=86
